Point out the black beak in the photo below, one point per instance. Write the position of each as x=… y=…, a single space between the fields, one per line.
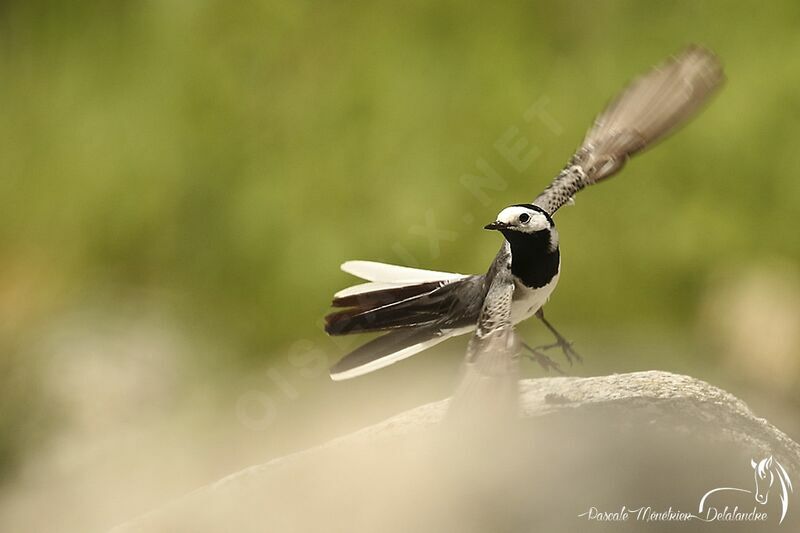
x=497 y=225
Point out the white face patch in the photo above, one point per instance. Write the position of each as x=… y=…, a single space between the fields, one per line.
x=516 y=217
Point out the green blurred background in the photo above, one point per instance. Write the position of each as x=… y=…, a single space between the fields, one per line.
x=181 y=180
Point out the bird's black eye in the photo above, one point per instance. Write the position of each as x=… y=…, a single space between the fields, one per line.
x=524 y=217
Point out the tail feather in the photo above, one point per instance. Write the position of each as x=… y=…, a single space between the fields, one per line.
x=381 y=297
x=386 y=350
x=361 y=288
x=393 y=297
x=404 y=313
x=416 y=307
x=399 y=307
x=384 y=272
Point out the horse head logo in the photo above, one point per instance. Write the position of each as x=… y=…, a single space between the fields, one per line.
x=766 y=472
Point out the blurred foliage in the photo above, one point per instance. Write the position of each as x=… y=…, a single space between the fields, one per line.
x=221 y=159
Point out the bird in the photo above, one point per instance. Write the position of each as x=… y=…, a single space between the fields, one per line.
x=416 y=309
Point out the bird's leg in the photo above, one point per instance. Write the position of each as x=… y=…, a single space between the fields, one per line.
x=544 y=361
x=561 y=342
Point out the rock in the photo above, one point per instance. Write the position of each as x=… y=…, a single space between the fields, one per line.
x=612 y=443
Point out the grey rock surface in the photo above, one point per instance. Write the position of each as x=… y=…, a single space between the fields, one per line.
x=641 y=439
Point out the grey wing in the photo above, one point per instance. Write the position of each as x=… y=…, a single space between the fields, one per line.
x=648 y=110
x=495 y=313
x=488 y=385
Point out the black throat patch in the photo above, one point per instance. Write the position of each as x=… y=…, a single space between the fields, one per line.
x=532 y=260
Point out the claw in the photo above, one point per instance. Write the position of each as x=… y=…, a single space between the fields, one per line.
x=566 y=348
x=544 y=361
x=564 y=344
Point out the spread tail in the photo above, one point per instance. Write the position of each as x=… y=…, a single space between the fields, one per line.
x=395 y=297
x=385 y=351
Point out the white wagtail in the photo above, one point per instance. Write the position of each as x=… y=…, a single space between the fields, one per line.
x=421 y=308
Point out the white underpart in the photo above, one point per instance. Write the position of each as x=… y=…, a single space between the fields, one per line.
x=527 y=301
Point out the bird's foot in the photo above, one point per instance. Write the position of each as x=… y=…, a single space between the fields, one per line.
x=535 y=354
x=566 y=347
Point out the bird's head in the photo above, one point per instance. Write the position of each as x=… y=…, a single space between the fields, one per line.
x=522 y=218
x=525 y=225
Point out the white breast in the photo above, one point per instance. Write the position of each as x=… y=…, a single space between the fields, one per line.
x=527 y=301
